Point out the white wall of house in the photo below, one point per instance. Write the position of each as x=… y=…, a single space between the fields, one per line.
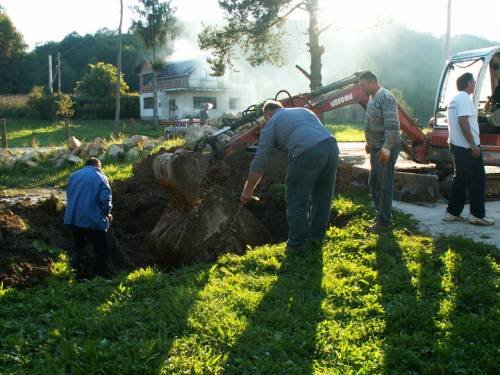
x=232 y=92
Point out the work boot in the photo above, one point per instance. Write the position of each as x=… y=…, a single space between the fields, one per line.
x=449 y=218
x=484 y=221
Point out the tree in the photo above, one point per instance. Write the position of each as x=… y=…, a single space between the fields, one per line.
x=119 y=67
x=155 y=23
x=257 y=27
x=15 y=76
x=100 y=82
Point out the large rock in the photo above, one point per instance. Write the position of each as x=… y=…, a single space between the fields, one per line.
x=30 y=156
x=73 y=143
x=29 y=163
x=95 y=149
x=218 y=225
x=181 y=174
x=135 y=141
x=133 y=153
x=194 y=134
x=74 y=159
x=115 y=151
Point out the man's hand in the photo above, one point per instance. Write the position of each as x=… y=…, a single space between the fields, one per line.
x=110 y=218
x=476 y=151
x=383 y=155
x=367 y=148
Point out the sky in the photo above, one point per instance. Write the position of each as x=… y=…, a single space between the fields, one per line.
x=50 y=20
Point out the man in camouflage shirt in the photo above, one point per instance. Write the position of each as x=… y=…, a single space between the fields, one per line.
x=383 y=145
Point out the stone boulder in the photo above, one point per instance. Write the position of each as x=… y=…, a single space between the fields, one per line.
x=135 y=141
x=115 y=151
x=133 y=153
x=73 y=143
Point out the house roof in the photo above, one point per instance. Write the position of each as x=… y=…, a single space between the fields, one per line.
x=179 y=69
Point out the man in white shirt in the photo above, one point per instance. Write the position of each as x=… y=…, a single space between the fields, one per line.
x=463 y=130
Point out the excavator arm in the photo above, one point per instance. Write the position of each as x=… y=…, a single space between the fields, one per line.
x=336 y=95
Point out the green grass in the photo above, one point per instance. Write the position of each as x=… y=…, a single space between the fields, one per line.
x=347 y=132
x=26 y=133
x=366 y=304
x=47 y=175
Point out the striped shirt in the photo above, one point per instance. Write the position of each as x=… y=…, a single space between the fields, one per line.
x=382 y=121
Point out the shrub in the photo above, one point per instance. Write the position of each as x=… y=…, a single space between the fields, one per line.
x=14 y=106
x=42 y=103
x=90 y=108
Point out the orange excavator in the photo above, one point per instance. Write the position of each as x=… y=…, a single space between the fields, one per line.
x=420 y=146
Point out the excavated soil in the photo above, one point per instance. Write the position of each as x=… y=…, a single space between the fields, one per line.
x=142 y=209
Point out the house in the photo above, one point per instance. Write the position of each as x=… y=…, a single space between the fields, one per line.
x=184 y=86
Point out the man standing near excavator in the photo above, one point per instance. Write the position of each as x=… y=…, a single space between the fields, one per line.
x=463 y=130
x=312 y=166
x=383 y=145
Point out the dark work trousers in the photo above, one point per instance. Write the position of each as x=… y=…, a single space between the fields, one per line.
x=310 y=183
x=469 y=176
x=381 y=182
x=99 y=242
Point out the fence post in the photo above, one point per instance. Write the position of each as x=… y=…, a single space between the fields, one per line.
x=3 y=127
x=66 y=128
x=132 y=126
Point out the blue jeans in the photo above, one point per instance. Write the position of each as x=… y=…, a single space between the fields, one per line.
x=469 y=176
x=310 y=182
x=381 y=184
x=99 y=242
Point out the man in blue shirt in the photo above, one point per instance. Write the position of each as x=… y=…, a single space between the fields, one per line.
x=88 y=214
x=312 y=166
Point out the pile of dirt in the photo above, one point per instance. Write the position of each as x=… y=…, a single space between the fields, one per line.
x=156 y=223
x=27 y=233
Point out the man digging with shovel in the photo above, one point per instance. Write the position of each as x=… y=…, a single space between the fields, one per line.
x=312 y=166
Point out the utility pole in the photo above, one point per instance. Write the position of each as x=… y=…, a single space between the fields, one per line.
x=119 y=69
x=50 y=75
x=448 y=33
x=58 y=72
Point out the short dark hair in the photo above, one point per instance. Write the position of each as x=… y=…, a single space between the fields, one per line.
x=271 y=106
x=368 y=76
x=463 y=81
x=93 y=162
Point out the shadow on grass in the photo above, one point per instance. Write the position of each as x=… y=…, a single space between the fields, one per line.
x=286 y=320
x=471 y=313
x=411 y=301
x=126 y=325
x=441 y=305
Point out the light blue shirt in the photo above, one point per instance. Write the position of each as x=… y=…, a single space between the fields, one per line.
x=88 y=199
x=292 y=130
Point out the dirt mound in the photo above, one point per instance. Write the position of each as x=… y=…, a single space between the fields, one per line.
x=27 y=233
x=154 y=224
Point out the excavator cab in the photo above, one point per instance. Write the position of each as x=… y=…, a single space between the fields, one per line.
x=484 y=64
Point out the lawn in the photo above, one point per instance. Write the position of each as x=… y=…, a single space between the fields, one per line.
x=397 y=303
x=29 y=133
x=47 y=175
x=347 y=132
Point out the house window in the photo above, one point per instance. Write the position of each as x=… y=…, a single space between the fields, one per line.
x=148 y=103
x=171 y=105
x=235 y=103
x=147 y=79
x=198 y=101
